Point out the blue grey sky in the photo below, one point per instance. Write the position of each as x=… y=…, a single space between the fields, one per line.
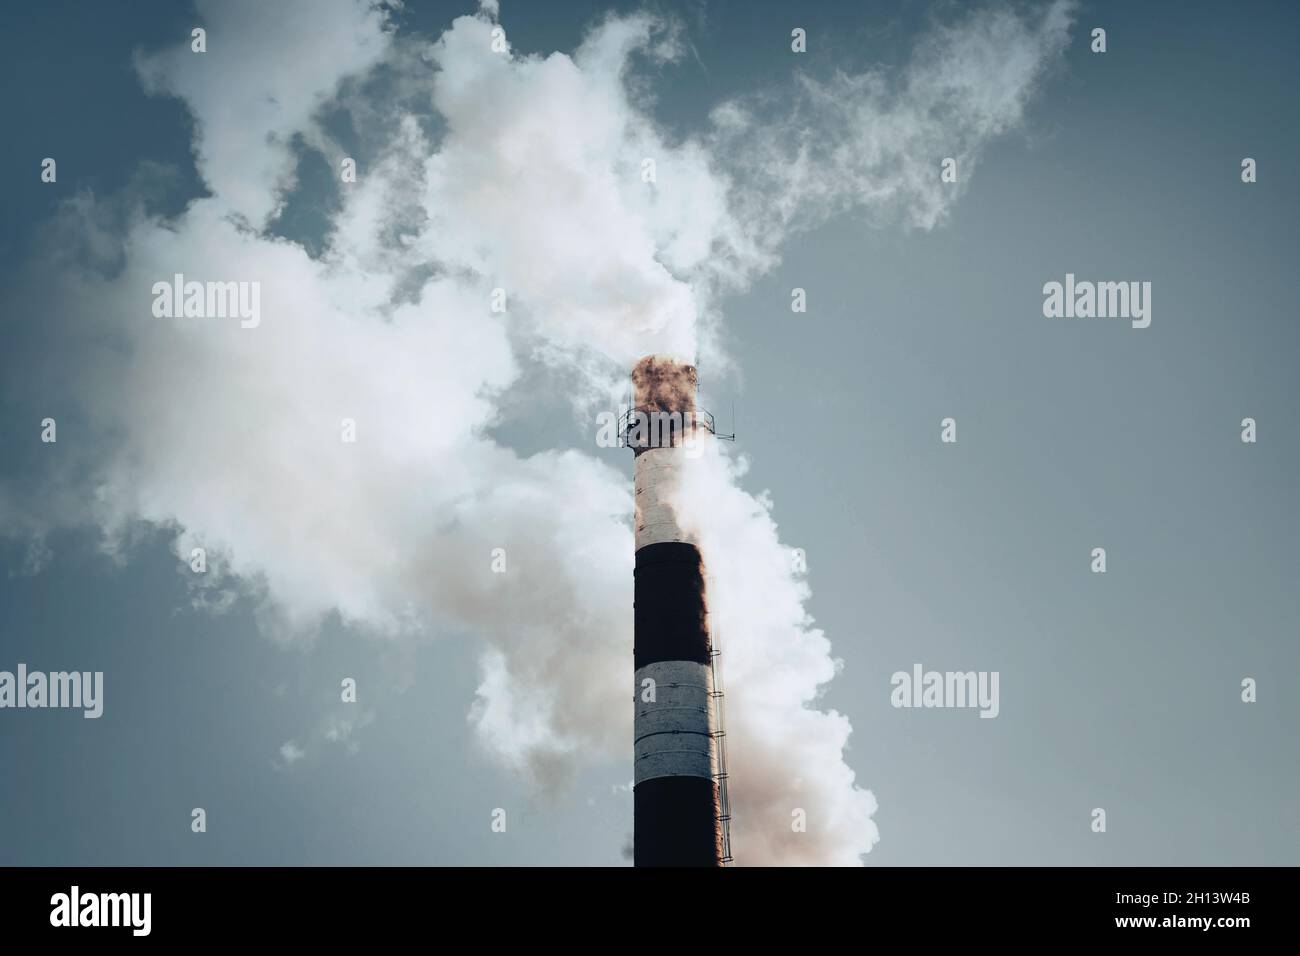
x=1119 y=691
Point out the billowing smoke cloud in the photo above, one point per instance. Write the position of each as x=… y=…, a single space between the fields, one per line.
x=521 y=174
x=250 y=97
x=783 y=753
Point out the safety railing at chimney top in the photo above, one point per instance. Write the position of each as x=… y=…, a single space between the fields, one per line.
x=654 y=420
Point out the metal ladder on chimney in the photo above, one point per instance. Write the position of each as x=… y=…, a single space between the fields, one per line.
x=720 y=736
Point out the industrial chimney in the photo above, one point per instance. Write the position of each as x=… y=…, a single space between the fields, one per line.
x=678 y=816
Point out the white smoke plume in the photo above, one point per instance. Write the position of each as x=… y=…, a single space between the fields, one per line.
x=874 y=141
x=526 y=180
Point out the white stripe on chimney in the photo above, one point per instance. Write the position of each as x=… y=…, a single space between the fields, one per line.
x=658 y=471
x=674 y=732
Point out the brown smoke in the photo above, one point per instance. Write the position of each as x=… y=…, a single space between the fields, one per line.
x=664 y=385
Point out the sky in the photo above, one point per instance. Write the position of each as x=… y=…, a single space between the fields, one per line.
x=480 y=691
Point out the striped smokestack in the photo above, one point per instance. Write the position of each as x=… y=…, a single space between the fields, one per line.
x=675 y=795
